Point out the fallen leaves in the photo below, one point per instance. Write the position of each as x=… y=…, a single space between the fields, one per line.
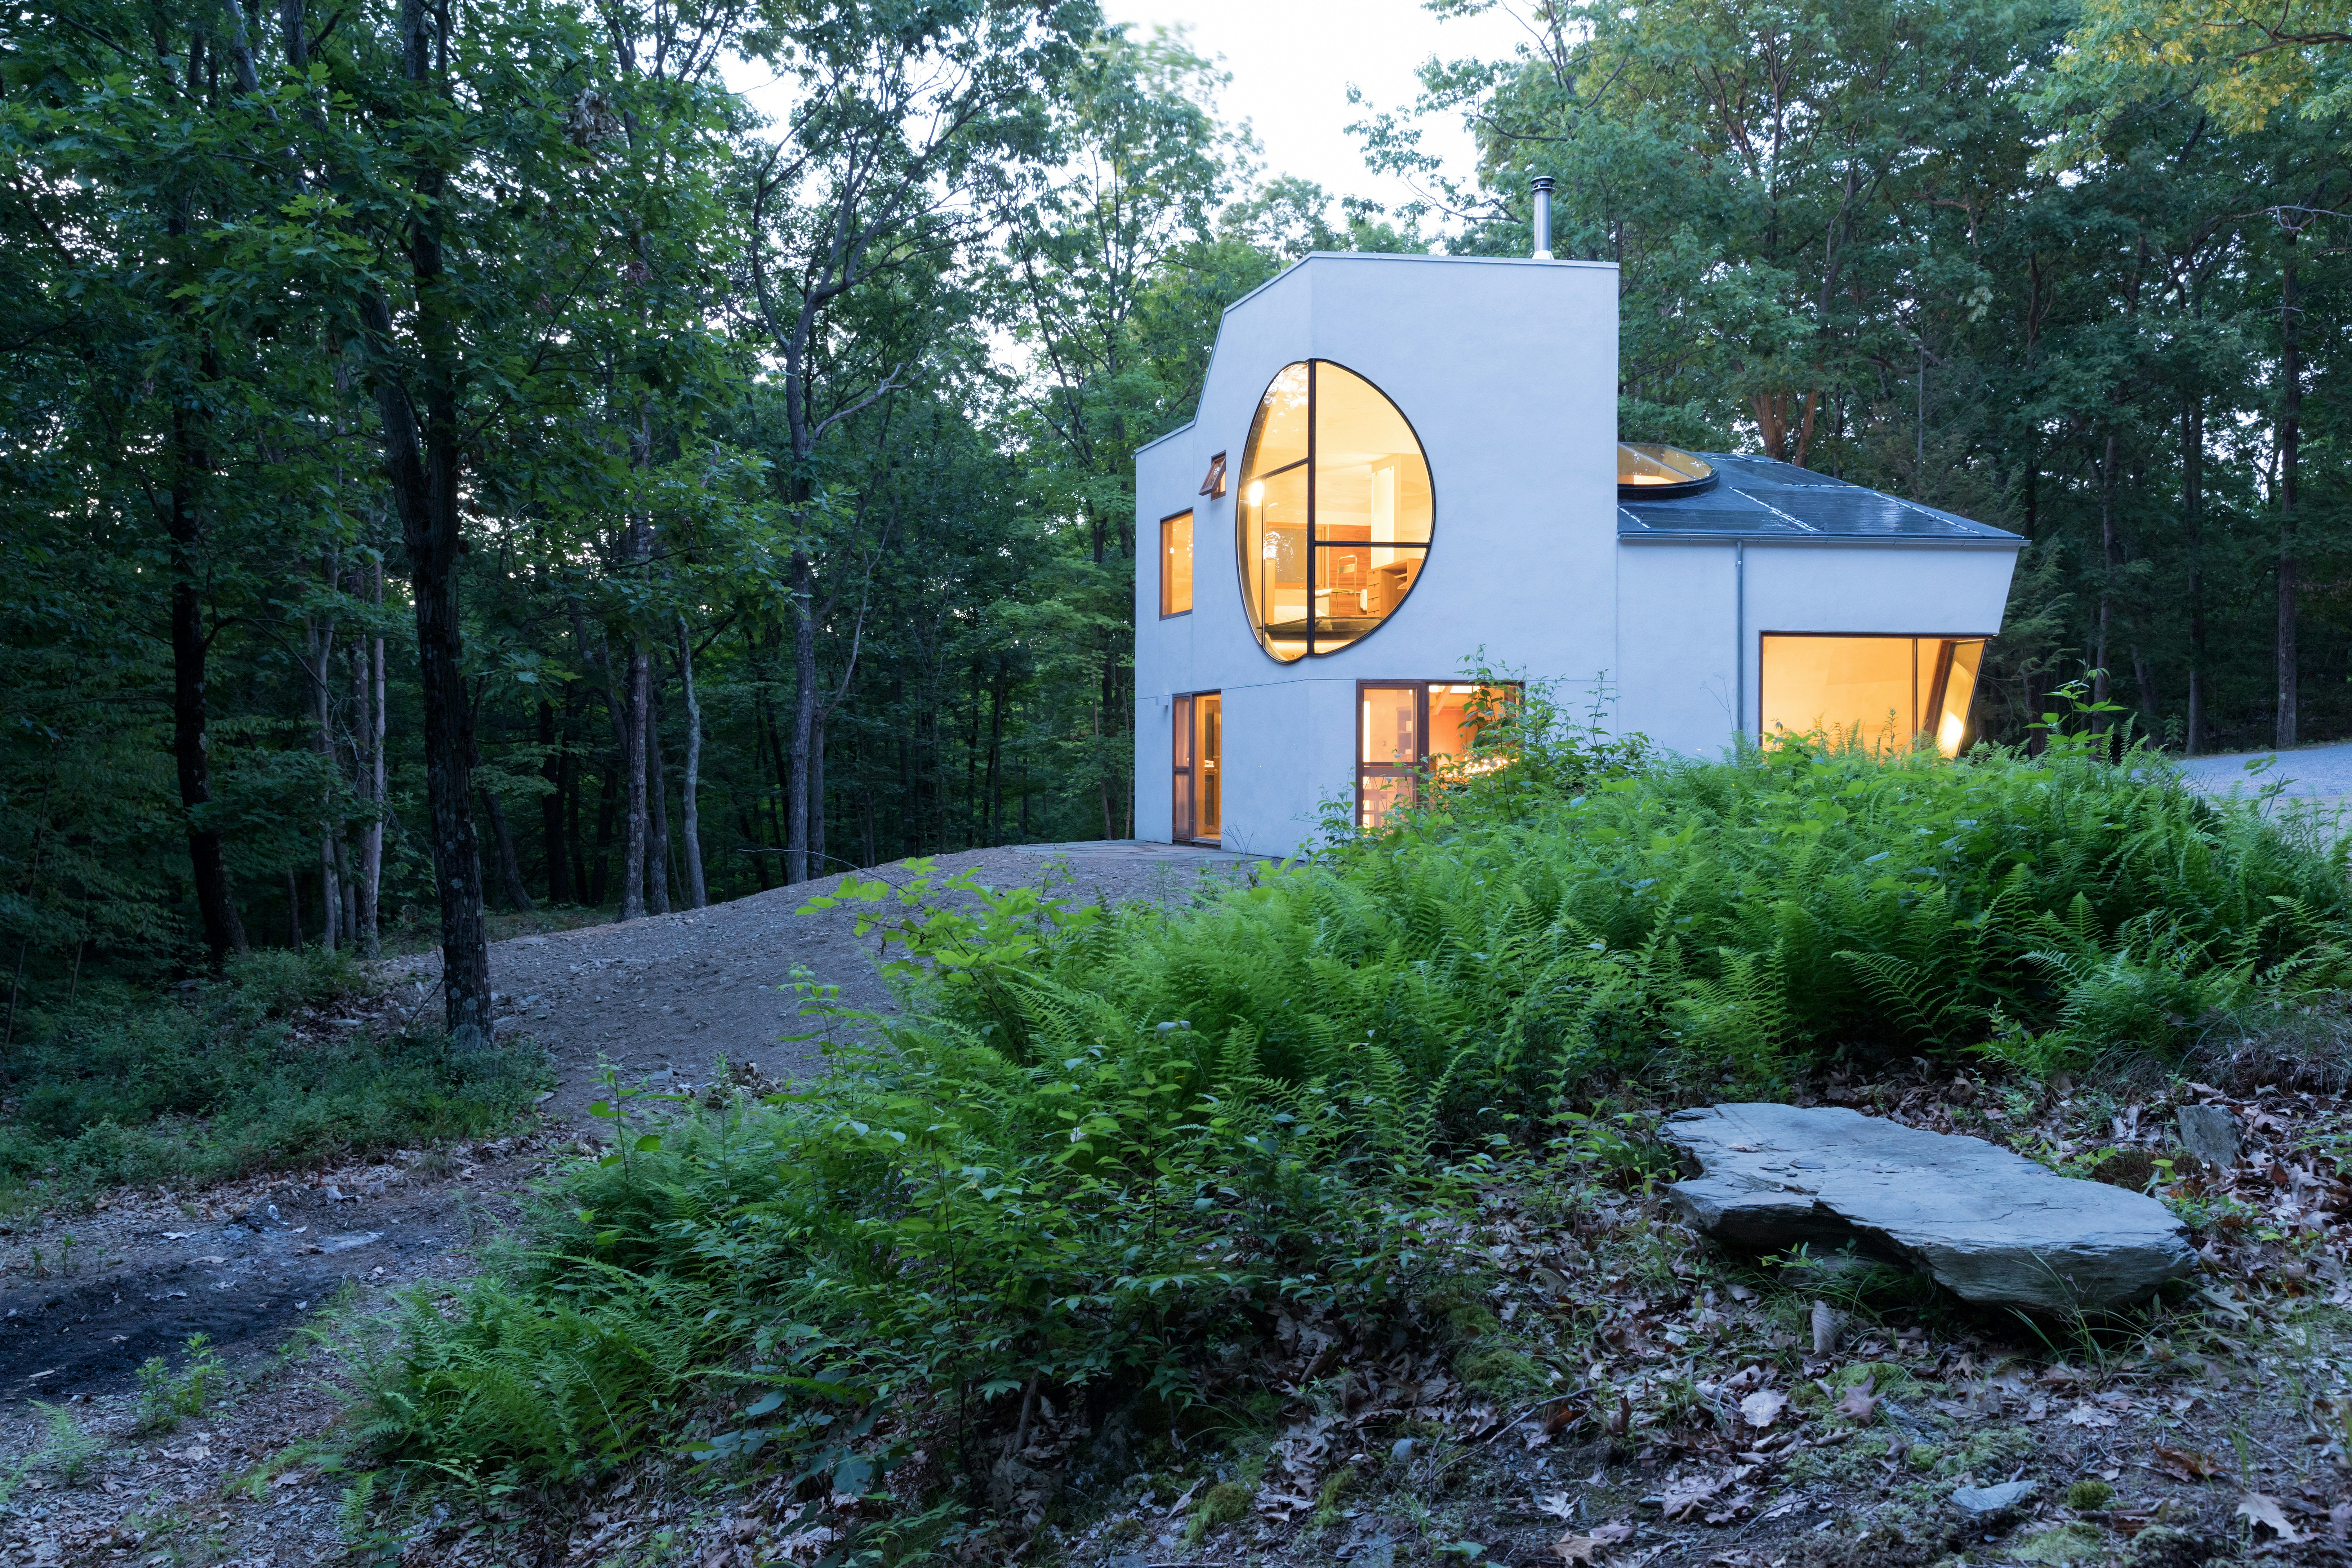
x=1763 y=1407
x=2259 y=1509
x=1861 y=1402
x=1718 y=1499
x=1683 y=1498
x=2185 y=1464
x=1584 y=1548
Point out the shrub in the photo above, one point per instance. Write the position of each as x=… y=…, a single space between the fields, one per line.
x=220 y=1083
x=1105 y=1148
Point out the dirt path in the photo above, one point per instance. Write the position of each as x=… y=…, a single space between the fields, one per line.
x=87 y=1299
x=666 y=998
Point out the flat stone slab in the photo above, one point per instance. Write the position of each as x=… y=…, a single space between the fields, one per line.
x=2208 y=1133
x=1992 y=1500
x=1987 y=1225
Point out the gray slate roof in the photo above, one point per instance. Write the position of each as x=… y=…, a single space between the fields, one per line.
x=1755 y=498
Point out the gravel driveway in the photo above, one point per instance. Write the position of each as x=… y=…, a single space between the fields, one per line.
x=667 y=998
x=2310 y=772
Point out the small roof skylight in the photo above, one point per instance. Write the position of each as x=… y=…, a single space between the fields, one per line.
x=1653 y=471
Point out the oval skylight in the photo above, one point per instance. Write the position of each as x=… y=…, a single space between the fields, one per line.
x=1650 y=471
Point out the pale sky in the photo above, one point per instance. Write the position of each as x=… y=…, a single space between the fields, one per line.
x=1293 y=60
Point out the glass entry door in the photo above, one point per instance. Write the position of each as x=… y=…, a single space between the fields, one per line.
x=1199 y=756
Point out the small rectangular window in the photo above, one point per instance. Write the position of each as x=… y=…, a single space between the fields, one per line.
x=1176 y=565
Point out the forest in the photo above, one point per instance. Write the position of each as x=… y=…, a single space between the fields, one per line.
x=512 y=455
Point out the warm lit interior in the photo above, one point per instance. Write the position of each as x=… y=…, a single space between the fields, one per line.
x=1335 y=512
x=1176 y=565
x=1404 y=730
x=1198 y=798
x=1877 y=692
x=1645 y=467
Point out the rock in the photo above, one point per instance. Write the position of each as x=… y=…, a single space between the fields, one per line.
x=2208 y=1133
x=1992 y=1500
x=1987 y=1225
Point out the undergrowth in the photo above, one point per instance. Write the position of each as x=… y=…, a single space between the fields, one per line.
x=213 y=1081
x=1107 y=1150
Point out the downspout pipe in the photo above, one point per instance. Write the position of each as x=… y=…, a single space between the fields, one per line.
x=1542 y=185
x=1739 y=634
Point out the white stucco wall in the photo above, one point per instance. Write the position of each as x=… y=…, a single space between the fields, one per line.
x=1506 y=370
x=1683 y=642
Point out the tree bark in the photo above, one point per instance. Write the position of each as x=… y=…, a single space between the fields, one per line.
x=423 y=460
x=191 y=741
x=550 y=806
x=2107 y=567
x=2290 y=453
x=600 y=869
x=690 y=845
x=631 y=720
x=370 y=877
x=502 y=842
x=656 y=805
x=2192 y=534
x=796 y=808
x=318 y=641
x=818 y=864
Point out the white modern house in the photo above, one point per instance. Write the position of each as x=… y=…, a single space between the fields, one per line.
x=1398 y=461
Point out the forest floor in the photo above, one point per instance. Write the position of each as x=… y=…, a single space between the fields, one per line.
x=2210 y=1428
x=282 y=1275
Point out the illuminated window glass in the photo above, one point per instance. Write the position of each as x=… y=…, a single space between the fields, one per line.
x=1199 y=756
x=1335 y=512
x=1875 y=692
x=1407 y=729
x=1176 y=565
x=1651 y=472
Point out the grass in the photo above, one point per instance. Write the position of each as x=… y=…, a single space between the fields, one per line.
x=214 y=1081
x=1108 y=1152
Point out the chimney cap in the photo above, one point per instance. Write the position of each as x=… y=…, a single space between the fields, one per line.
x=1542 y=183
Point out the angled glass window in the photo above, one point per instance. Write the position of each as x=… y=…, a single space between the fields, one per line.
x=1334 y=513
x=1880 y=694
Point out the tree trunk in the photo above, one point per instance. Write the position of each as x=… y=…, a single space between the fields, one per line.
x=994 y=788
x=697 y=896
x=2107 y=567
x=293 y=909
x=424 y=451
x=2290 y=452
x=818 y=864
x=656 y=805
x=796 y=806
x=2192 y=534
x=318 y=642
x=502 y=842
x=600 y=873
x=191 y=743
x=371 y=834
x=631 y=720
x=551 y=770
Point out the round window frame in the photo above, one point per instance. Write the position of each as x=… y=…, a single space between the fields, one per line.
x=1240 y=498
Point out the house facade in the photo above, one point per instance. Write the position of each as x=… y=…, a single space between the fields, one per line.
x=1399 y=461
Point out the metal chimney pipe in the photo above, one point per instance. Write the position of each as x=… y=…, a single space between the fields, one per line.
x=1543 y=184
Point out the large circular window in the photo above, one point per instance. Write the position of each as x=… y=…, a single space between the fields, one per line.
x=1335 y=510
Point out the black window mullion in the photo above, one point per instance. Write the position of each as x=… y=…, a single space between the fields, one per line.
x=1313 y=562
